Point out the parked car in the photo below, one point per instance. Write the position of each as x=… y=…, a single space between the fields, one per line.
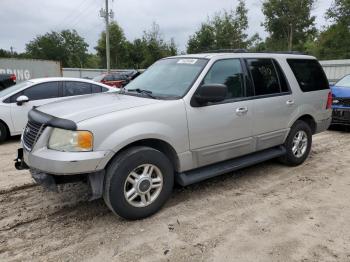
x=341 y=102
x=16 y=101
x=7 y=80
x=185 y=119
x=117 y=80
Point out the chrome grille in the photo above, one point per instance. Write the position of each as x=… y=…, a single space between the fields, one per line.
x=31 y=134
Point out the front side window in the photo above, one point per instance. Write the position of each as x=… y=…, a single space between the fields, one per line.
x=74 y=88
x=170 y=77
x=42 y=91
x=309 y=74
x=227 y=72
x=264 y=76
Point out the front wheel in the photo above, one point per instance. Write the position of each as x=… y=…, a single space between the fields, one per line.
x=138 y=182
x=3 y=132
x=298 y=144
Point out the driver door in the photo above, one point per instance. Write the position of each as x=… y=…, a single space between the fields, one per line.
x=221 y=131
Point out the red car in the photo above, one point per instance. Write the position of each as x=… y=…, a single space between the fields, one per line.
x=113 y=79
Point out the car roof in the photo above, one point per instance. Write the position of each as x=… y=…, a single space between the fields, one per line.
x=245 y=55
x=53 y=79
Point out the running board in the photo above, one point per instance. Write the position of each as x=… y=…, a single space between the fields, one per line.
x=203 y=173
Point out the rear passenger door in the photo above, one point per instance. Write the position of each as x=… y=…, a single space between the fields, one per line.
x=273 y=102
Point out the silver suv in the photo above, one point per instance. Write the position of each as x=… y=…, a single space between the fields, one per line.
x=185 y=119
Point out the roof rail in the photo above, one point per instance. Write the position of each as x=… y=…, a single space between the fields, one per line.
x=253 y=52
x=227 y=51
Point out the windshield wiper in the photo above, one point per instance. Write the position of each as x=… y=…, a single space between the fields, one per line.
x=142 y=91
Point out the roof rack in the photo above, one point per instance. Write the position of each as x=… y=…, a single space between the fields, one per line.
x=253 y=52
x=227 y=51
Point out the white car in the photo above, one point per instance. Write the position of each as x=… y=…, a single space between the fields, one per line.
x=16 y=101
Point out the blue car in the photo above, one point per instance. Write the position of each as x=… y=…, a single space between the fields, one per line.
x=341 y=102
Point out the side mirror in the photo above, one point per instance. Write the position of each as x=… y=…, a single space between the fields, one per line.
x=21 y=100
x=210 y=93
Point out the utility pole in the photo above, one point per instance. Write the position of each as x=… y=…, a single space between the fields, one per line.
x=106 y=14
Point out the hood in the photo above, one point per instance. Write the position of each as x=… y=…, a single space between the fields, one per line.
x=339 y=91
x=81 y=108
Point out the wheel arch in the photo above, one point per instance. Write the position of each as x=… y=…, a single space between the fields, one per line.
x=154 y=143
x=310 y=120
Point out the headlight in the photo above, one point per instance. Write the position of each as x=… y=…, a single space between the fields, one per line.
x=71 y=141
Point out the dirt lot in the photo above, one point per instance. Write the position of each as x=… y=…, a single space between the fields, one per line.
x=268 y=212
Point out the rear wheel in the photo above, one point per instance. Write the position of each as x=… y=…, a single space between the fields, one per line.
x=138 y=182
x=3 y=132
x=298 y=144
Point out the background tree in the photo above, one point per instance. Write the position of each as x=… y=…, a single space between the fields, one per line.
x=117 y=47
x=226 y=30
x=65 y=46
x=334 y=41
x=289 y=23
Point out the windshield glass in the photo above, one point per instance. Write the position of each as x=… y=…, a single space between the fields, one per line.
x=344 y=82
x=14 y=88
x=169 y=77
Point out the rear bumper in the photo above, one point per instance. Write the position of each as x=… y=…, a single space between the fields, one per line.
x=341 y=116
x=323 y=125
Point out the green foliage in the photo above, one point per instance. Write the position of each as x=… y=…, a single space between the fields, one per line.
x=289 y=23
x=65 y=46
x=334 y=41
x=140 y=53
x=225 y=30
x=339 y=12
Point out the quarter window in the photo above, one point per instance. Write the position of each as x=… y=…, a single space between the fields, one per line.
x=73 y=88
x=309 y=74
x=264 y=76
x=227 y=72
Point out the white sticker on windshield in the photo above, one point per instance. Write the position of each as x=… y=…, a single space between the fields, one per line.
x=187 y=61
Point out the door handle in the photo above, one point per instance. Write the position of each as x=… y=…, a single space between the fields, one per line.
x=290 y=102
x=241 y=110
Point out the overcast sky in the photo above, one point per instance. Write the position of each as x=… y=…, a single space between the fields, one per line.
x=22 y=20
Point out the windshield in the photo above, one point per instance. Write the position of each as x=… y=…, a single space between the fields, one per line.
x=14 y=88
x=344 y=82
x=170 y=77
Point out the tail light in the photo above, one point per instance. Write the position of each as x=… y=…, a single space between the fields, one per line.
x=329 y=101
x=13 y=77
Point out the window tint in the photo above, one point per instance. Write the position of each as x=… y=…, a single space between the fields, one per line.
x=227 y=72
x=309 y=74
x=72 y=88
x=41 y=91
x=109 y=78
x=264 y=76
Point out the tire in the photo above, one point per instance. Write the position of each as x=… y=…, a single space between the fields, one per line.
x=152 y=169
x=297 y=157
x=3 y=132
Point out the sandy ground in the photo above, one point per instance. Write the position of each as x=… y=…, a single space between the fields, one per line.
x=268 y=212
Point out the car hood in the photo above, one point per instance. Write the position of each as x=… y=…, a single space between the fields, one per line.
x=338 y=91
x=81 y=108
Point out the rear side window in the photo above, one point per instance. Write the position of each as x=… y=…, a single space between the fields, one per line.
x=309 y=74
x=74 y=88
x=227 y=72
x=42 y=91
x=264 y=76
